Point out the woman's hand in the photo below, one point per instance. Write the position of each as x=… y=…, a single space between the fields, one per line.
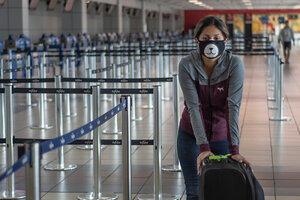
x=201 y=157
x=239 y=158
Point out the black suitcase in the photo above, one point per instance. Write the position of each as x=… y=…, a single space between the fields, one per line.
x=222 y=178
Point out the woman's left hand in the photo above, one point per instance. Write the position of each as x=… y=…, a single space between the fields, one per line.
x=241 y=159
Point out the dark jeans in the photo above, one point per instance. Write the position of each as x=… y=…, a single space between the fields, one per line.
x=188 y=151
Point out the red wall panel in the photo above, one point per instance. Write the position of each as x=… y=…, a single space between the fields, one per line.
x=191 y=17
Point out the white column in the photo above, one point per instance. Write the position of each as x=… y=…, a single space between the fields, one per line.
x=83 y=16
x=173 y=22
x=144 y=22
x=17 y=21
x=119 y=15
x=160 y=20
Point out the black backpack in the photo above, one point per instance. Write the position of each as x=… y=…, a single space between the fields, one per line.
x=222 y=178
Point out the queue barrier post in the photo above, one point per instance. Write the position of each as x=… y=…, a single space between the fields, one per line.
x=175 y=167
x=60 y=166
x=104 y=74
x=126 y=145
x=279 y=113
x=149 y=105
x=133 y=112
x=84 y=73
x=42 y=124
x=2 y=102
x=91 y=111
x=97 y=155
x=28 y=85
x=157 y=148
x=115 y=129
x=165 y=72
x=67 y=85
x=10 y=192
x=33 y=172
x=43 y=75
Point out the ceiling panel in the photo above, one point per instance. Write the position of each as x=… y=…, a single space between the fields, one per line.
x=231 y=4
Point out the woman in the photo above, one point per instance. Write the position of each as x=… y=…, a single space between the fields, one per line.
x=211 y=79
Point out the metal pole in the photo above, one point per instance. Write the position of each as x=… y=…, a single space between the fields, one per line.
x=60 y=166
x=28 y=85
x=157 y=147
x=97 y=154
x=272 y=78
x=157 y=62
x=126 y=145
x=104 y=74
x=115 y=129
x=10 y=192
x=176 y=117
x=2 y=101
x=148 y=75
x=279 y=113
x=157 y=143
x=33 y=172
x=43 y=75
x=133 y=114
x=86 y=65
x=10 y=62
x=67 y=85
x=42 y=124
x=165 y=73
x=138 y=67
x=90 y=111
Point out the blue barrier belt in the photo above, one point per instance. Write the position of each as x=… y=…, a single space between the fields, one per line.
x=65 y=139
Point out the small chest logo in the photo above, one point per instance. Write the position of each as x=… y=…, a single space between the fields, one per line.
x=221 y=89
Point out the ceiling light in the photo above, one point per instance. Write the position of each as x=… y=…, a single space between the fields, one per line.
x=297 y=6
x=199 y=3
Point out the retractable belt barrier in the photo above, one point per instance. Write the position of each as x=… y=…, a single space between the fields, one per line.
x=275 y=64
x=70 y=137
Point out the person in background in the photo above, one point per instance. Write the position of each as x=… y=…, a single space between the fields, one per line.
x=211 y=79
x=285 y=37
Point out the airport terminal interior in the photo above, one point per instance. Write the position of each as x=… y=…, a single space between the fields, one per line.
x=90 y=99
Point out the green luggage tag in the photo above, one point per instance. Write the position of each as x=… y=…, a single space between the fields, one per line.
x=219 y=158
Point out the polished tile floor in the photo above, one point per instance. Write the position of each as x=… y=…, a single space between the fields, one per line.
x=273 y=148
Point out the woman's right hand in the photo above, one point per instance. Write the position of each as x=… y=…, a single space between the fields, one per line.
x=201 y=157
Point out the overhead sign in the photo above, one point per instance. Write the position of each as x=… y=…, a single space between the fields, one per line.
x=281 y=20
x=264 y=19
